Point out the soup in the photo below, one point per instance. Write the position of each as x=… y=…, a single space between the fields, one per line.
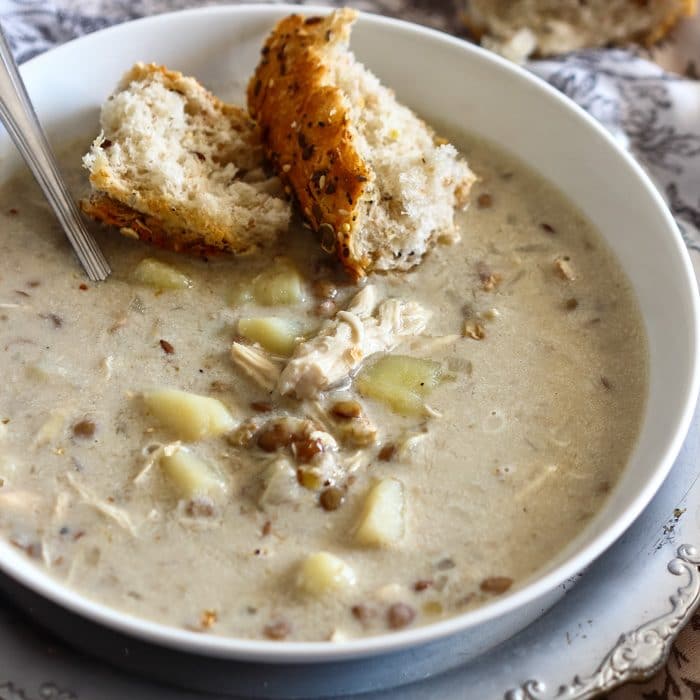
x=256 y=448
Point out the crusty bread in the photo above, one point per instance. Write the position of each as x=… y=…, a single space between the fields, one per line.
x=368 y=174
x=177 y=167
x=517 y=28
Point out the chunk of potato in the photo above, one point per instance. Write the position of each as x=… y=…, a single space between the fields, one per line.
x=278 y=335
x=400 y=381
x=157 y=274
x=190 y=416
x=321 y=573
x=382 y=520
x=192 y=477
x=281 y=284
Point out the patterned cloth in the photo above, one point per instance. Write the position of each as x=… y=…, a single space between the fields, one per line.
x=653 y=113
x=656 y=114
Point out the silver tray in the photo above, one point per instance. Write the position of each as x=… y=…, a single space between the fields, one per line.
x=616 y=624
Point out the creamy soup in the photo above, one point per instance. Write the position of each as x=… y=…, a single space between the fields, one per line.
x=500 y=397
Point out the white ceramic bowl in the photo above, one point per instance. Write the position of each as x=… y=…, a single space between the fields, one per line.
x=461 y=86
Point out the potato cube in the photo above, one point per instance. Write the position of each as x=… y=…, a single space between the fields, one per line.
x=281 y=284
x=190 y=416
x=400 y=381
x=157 y=274
x=382 y=520
x=321 y=573
x=192 y=477
x=278 y=335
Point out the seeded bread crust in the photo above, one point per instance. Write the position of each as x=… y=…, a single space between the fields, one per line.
x=305 y=127
x=149 y=229
x=122 y=197
x=370 y=177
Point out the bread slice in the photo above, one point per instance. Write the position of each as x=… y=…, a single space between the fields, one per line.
x=177 y=167
x=517 y=28
x=368 y=174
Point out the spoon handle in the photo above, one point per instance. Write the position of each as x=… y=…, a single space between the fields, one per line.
x=18 y=115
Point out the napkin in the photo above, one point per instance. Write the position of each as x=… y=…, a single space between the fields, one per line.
x=653 y=113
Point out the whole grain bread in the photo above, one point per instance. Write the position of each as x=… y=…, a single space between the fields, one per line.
x=179 y=168
x=368 y=174
x=518 y=28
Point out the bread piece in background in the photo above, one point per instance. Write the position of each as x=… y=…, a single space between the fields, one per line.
x=369 y=175
x=518 y=28
x=176 y=167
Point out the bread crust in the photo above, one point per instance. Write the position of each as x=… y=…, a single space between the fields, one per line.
x=151 y=229
x=305 y=127
x=671 y=20
x=477 y=26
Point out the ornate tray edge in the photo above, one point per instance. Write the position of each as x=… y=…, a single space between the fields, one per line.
x=638 y=654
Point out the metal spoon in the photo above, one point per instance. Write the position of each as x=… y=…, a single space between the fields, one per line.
x=18 y=115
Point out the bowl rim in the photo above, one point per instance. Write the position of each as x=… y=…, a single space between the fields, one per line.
x=29 y=575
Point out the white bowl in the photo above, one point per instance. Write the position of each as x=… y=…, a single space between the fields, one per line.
x=462 y=86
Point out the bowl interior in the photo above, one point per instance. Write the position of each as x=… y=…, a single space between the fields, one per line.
x=464 y=88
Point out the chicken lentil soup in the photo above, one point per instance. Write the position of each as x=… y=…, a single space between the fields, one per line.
x=255 y=447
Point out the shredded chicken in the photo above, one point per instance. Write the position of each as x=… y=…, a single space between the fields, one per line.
x=323 y=469
x=50 y=541
x=46 y=554
x=120 y=516
x=153 y=453
x=364 y=302
x=535 y=482
x=257 y=365
x=409 y=444
x=21 y=501
x=431 y=412
x=106 y=366
x=327 y=441
x=358 y=460
x=279 y=483
x=355 y=432
x=317 y=413
x=342 y=344
x=427 y=344
x=60 y=507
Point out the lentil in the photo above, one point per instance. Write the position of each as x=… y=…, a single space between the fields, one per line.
x=331 y=498
x=496 y=584
x=277 y=630
x=400 y=615
x=84 y=429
